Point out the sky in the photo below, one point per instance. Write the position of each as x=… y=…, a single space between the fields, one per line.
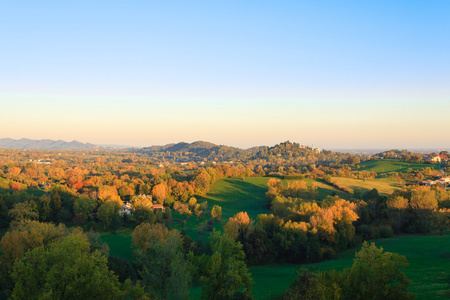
x=333 y=74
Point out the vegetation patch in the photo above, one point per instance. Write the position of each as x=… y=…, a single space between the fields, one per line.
x=323 y=188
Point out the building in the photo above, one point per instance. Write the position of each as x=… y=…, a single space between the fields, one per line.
x=158 y=206
x=436 y=159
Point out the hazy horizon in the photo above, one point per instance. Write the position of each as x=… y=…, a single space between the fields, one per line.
x=337 y=75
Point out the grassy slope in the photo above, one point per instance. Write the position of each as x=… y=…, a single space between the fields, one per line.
x=428 y=258
x=235 y=195
x=388 y=165
x=384 y=186
x=119 y=243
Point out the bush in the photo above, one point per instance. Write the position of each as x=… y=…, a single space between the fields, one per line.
x=364 y=232
x=386 y=231
x=327 y=253
x=374 y=232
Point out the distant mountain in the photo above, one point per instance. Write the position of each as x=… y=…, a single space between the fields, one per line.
x=44 y=144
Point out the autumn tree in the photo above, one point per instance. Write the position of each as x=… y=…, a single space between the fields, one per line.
x=108 y=193
x=143 y=212
x=239 y=226
x=159 y=192
x=145 y=235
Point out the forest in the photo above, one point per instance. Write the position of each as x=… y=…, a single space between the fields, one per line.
x=189 y=221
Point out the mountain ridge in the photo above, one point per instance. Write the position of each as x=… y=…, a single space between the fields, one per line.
x=44 y=144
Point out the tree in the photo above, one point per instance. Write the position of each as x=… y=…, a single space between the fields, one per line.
x=398 y=210
x=216 y=212
x=83 y=208
x=145 y=235
x=108 y=214
x=66 y=270
x=239 y=226
x=441 y=219
x=108 y=193
x=376 y=275
x=22 y=212
x=159 y=192
x=165 y=269
x=143 y=211
x=226 y=275
x=309 y=285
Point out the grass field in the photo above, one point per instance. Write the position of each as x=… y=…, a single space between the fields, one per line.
x=384 y=185
x=235 y=195
x=323 y=189
x=119 y=243
x=384 y=166
x=428 y=258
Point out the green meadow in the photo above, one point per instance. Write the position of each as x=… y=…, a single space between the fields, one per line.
x=237 y=194
x=384 y=186
x=383 y=166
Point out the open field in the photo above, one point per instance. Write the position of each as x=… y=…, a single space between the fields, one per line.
x=119 y=243
x=428 y=258
x=383 y=166
x=235 y=195
x=384 y=186
x=323 y=189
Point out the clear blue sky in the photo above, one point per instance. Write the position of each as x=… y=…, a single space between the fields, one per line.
x=336 y=74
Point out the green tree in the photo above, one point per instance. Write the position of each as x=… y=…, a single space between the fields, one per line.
x=226 y=275
x=398 y=210
x=216 y=212
x=441 y=219
x=165 y=269
x=108 y=214
x=83 y=208
x=311 y=285
x=376 y=275
x=22 y=212
x=66 y=270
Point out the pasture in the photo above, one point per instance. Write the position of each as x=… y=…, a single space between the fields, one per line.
x=384 y=166
x=384 y=186
x=237 y=194
x=428 y=258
